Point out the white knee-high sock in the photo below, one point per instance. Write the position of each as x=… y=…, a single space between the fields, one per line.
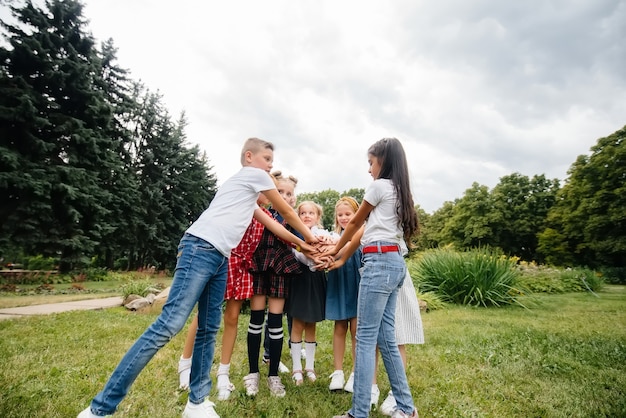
x=296 y=356
x=309 y=348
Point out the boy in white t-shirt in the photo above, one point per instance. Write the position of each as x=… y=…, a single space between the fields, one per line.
x=200 y=276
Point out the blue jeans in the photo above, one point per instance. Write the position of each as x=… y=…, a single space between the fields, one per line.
x=200 y=276
x=381 y=277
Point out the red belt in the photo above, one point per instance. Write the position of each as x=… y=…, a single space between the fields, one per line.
x=381 y=248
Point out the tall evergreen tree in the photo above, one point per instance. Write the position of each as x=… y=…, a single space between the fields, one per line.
x=53 y=123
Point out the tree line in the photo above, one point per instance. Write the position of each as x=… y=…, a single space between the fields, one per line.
x=582 y=223
x=94 y=170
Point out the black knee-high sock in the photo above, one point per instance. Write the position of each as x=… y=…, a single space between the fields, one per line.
x=275 y=326
x=254 y=339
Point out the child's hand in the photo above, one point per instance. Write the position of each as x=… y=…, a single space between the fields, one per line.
x=335 y=264
x=322 y=262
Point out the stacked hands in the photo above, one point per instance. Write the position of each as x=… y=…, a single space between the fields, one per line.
x=324 y=253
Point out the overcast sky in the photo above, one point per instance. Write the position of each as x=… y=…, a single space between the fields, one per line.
x=475 y=90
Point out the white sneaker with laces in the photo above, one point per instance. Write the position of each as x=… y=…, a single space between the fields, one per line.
x=349 y=387
x=375 y=396
x=86 y=413
x=205 y=409
x=251 y=383
x=337 y=380
x=389 y=405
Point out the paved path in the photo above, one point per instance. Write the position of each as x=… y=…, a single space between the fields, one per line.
x=49 y=308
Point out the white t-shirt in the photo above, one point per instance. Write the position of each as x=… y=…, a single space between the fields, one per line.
x=226 y=219
x=383 y=223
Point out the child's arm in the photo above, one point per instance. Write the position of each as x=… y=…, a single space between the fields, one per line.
x=346 y=252
x=280 y=231
x=354 y=226
x=290 y=215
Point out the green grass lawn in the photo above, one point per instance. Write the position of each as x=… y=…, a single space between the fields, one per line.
x=564 y=357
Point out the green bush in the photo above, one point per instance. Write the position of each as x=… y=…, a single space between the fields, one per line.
x=614 y=275
x=432 y=300
x=96 y=274
x=580 y=280
x=39 y=262
x=540 y=279
x=544 y=279
x=477 y=277
x=140 y=287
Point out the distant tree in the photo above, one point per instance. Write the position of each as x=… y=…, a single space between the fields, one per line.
x=432 y=227
x=469 y=225
x=520 y=208
x=589 y=214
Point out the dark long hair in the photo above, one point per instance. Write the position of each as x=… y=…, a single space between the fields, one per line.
x=394 y=167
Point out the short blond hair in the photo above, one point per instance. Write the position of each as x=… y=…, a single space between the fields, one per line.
x=254 y=145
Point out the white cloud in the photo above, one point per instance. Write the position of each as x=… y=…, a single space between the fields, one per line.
x=475 y=90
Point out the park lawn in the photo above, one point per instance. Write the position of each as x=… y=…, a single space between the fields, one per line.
x=563 y=357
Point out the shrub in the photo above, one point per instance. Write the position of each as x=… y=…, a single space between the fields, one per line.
x=614 y=275
x=539 y=278
x=140 y=287
x=39 y=262
x=477 y=277
x=545 y=279
x=580 y=280
x=95 y=274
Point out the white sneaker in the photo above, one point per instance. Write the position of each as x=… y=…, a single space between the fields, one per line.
x=251 y=383
x=337 y=380
x=282 y=368
x=205 y=409
x=276 y=386
x=86 y=413
x=389 y=405
x=399 y=414
x=184 y=372
x=349 y=387
x=375 y=396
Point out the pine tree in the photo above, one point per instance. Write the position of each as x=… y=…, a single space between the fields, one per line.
x=54 y=145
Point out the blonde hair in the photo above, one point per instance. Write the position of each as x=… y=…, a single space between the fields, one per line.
x=318 y=209
x=279 y=178
x=254 y=145
x=346 y=200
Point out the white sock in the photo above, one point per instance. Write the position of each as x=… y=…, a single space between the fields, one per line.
x=222 y=374
x=184 y=372
x=296 y=356
x=310 y=355
x=183 y=362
